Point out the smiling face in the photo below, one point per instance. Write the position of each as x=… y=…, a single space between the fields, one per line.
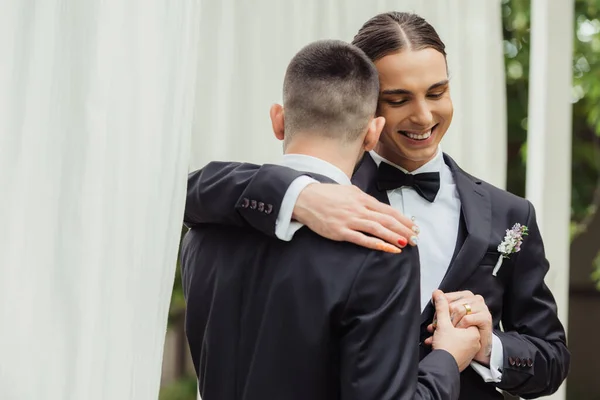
x=415 y=101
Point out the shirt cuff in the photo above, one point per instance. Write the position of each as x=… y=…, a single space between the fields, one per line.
x=284 y=226
x=494 y=372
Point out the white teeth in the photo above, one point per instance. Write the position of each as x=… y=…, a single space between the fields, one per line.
x=422 y=136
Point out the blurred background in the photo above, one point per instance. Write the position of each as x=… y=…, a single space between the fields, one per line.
x=178 y=380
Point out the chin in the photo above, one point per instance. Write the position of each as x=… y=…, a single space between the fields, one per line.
x=421 y=155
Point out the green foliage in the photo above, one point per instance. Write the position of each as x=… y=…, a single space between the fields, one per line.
x=177 y=300
x=183 y=389
x=516 y=22
x=585 y=193
x=596 y=273
x=586 y=110
x=585 y=98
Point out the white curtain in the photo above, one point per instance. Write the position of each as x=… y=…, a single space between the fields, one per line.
x=549 y=141
x=96 y=106
x=250 y=43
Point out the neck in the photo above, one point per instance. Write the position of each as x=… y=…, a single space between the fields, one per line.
x=399 y=159
x=343 y=156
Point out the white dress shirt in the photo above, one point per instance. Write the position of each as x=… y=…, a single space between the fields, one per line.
x=438 y=222
x=284 y=226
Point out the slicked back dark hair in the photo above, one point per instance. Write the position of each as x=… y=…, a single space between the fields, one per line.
x=394 y=31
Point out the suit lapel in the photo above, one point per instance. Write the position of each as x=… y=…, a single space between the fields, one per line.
x=365 y=177
x=477 y=211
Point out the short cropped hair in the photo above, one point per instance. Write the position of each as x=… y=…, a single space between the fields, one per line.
x=330 y=88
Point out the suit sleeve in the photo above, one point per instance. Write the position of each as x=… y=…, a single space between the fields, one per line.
x=380 y=336
x=536 y=358
x=238 y=194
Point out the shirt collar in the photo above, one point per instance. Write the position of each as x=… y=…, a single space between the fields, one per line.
x=302 y=162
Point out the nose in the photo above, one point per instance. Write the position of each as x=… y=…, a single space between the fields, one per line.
x=421 y=114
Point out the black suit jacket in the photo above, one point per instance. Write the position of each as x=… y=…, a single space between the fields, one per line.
x=536 y=359
x=307 y=319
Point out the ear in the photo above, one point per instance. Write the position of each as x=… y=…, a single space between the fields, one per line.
x=277 y=120
x=373 y=131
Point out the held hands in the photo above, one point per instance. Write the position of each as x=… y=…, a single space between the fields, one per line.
x=469 y=310
x=461 y=343
x=345 y=213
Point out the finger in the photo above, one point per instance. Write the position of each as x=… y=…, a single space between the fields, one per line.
x=474 y=331
x=434 y=321
x=376 y=229
x=455 y=296
x=408 y=226
x=369 y=242
x=479 y=320
x=428 y=341
x=465 y=322
x=430 y=328
x=458 y=308
x=476 y=302
x=375 y=205
x=390 y=223
x=480 y=301
x=457 y=312
x=441 y=309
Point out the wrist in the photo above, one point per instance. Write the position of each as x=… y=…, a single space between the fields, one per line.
x=485 y=361
x=484 y=357
x=301 y=211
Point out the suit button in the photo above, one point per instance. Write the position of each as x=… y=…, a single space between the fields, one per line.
x=511 y=361
x=245 y=203
x=268 y=209
x=261 y=206
x=518 y=361
x=529 y=362
x=253 y=204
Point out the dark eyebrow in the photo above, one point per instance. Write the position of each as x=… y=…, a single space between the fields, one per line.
x=437 y=85
x=408 y=92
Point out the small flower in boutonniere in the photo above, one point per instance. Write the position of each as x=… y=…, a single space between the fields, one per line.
x=511 y=244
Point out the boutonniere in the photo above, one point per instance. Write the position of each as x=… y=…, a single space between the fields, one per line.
x=511 y=244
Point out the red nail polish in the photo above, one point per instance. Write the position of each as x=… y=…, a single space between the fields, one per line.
x=402 y=242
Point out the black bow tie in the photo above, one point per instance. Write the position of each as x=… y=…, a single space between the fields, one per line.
x=427 y=184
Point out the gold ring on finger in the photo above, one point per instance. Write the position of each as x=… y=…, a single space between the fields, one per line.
x=467 y=307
